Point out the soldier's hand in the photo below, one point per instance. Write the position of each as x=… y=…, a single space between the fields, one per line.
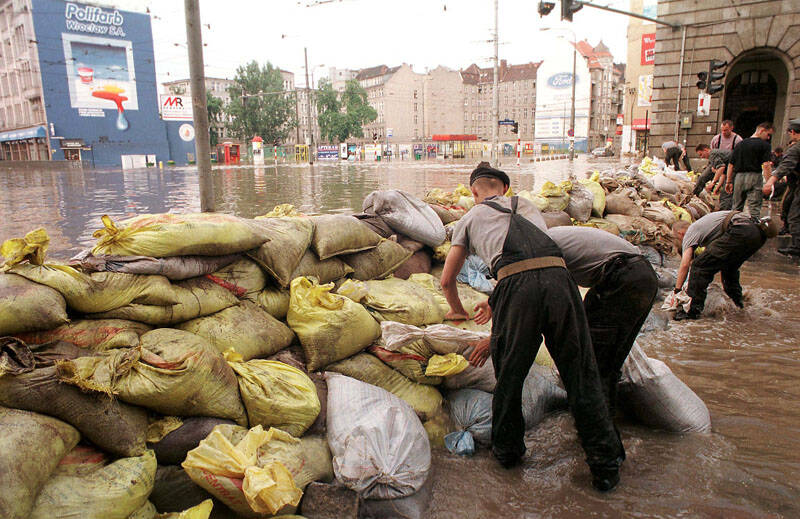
x=729 y=188
x=454 y=316
x=484 y=312
x=480 y=352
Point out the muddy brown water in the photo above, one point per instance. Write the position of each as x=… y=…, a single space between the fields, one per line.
x=743 y=363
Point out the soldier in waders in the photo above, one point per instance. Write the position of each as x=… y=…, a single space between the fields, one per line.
x=534 y=296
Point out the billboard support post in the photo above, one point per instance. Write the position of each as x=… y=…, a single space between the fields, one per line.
x=194 y=38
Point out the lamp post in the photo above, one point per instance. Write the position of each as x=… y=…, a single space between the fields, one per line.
x=574 y=80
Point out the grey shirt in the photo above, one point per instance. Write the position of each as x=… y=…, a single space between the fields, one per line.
x=708 y=228
x=586 y=250
x=483 y=230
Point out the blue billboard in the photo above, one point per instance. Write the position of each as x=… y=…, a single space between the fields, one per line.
x=99 y=81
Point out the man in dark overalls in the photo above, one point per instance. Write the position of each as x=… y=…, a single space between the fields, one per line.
x=534 y=296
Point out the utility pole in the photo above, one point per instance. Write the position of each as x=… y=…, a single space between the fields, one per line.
x=572 y=112
x=308 y=113
x=202 y=147
x=496 y=98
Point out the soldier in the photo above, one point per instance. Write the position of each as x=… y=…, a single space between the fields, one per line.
x=790 y=168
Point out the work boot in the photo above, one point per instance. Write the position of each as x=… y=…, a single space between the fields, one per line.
x=790 y=251
x=605 y=479
x=784 y=231
x=681 y=314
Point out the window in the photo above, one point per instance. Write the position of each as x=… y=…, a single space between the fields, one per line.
x=415 y=96
x=415 y=104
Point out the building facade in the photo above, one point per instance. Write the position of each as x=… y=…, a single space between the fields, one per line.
x=638 y=90
x=606 y=98
x=761 y=43
x=396 y=94
x=340 y=76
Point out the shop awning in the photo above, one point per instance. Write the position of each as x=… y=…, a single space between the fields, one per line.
x=24 y=133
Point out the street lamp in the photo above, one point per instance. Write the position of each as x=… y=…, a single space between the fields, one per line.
x=572 y=112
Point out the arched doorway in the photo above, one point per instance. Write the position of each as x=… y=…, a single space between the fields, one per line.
x=755 y=92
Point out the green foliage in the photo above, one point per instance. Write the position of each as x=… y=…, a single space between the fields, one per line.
x=342 y=116
x=215 y=117
x=264 y=111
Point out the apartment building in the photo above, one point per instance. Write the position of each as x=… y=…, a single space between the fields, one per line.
x=396 y=93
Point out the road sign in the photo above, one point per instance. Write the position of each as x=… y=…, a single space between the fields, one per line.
x=703 y=104
x=388 y=132
x=571 y=133
x=505 y=122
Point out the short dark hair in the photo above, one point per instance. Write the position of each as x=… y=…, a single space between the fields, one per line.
x=701 y=147
x=728 y=122
x=764 y=126
x=778 y=150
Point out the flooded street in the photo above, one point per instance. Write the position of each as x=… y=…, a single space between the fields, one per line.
x=743 y=363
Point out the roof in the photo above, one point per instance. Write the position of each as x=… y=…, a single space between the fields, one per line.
x=473 y=75
x=592 y=54
x=366 y=73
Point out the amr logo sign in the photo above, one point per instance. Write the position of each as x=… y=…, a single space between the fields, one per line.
x=176 y=108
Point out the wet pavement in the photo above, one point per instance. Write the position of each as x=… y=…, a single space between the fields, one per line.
x=743 y=363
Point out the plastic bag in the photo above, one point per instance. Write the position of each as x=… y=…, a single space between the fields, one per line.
x=26 y=306
x=289 y=239
x=476 y=274
x=407 y=215
x=281 y=210
x=336 y=234
x=173 y=372
x=471 y=411
x=581 y=203
x=245 y=327
x=541 y=395
x=380 y=449
x=274 y=301
x=277 y=395
x=599 y=198
x=330 y=327
x=446 y=365
x=32 y=445
x=379 y=262
x=555 y=196
x=164 y=235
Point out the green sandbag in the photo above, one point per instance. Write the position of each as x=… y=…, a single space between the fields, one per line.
x=402 y=301
x=289 y=239
x=32 y=445
x=336 y=234
x=379 y=262
x=26 y=306
x=245 y=327
x=196 y=297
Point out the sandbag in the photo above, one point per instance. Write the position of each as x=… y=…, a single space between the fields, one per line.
x=638 y=230
x=556 y=219
x=581 y=202
x=146 y=511
x=659 y=212
x=277 y=395
x=471 y=411
x=274 y=301
x=602 y=224
x=329 y=326
x=541 y=395
x=411 y=360
x=99 y=291
x=375 y=223
x=245 y=327
x=402 y=301
x=203 y=510
x=556 y=197
x=415 y=506
x=325 y=271
x=31 y=383
x=32 y=446
x=655 y=396
x=447 y=214
x=475 y=273
x=113 y=491
x=409 y=243
x=539 y=201
x=468 y=295
x=196 y=297
x=93 y=334
x=369 y=423
x=419 y=263
x=336 y=234
x=244 y=274
x=26 y=306
x=257 y=473
x=379 y=262
x=407 y=215
x=173 y=372
x=599 y=195
x=620 y=202
x=679 y=212
x=665 y=185
x=164 y=235
x=289 y=239
x=172 y=448
x=174 y=268
x=174 y=490
x=424 y=399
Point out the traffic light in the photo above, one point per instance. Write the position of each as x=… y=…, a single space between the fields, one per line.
x=702 y=82
x=715 y=76
x=515 y=128
x=569 y=7
x=545 y=8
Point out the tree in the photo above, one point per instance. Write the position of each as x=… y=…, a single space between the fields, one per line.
x=259 y=105
x=215 y=117
x=342 y=116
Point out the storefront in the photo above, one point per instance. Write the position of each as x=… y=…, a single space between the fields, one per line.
x=24 y=144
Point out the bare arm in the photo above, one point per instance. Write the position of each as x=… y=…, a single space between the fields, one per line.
x=718 y=177
x=683 y=270
x=452 y=266
x=766 y=168
x=729 y=179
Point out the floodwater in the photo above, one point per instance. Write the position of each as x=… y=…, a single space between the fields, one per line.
x=743 y=363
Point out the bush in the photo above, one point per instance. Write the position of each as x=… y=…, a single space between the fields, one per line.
x=170 y=163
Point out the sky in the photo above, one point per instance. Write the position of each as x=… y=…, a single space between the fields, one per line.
x=362 y=33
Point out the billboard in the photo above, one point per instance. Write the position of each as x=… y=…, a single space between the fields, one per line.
x=176 y=108
x=644 y=92
x=649 y=49
x=327 y=152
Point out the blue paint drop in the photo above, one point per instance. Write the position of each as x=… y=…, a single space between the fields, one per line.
x=122 y=123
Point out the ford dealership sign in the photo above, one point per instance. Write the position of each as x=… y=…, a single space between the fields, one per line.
x=560 y=80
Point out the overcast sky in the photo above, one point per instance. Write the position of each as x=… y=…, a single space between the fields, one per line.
x=363 y=33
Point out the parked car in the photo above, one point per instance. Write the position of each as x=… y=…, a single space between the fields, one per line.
x=602 y=151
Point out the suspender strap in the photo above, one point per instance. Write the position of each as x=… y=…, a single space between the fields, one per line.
x=726 y=223
x=530 y=264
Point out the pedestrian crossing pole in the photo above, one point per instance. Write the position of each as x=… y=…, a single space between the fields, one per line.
x=519 y=148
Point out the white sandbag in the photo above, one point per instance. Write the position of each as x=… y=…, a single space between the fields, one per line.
x=471 y=410
x=581 y=201
x=379 y=446
x=664 y=184
x=541 y=395
x=654 y=395
x=406 y=214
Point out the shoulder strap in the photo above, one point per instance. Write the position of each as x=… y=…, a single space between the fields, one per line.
x=498 y=207
x=715 y=142
x=514 y=203
x=726 y=222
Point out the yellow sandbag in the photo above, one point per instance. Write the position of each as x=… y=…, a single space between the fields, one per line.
x=539 y=201
x=462 y=190
x=403 y=301
x=424 y=399
x=289 y=239
x=439 y=196
x=173 y=372
x=257 y=473
x=245 y=327
x=600 y=223
x=330 y=327
x=410 y=360
x=246 y=275
x=599 y=202
x=165 y=235
x=32 y=248
x=277 y=395
x=440 y=253
x=378 y=262
x=281 y=210
x=113 y=491
x=679 y=212
x=274 y=301
x=196 y=297
x=353 y=289
x=467 y=202
x=336 y=234
x=201 y=511
x=325 y=270
x=446 y=365
x=468 y=295
x=93 y=334
x=26 y=306
x=556 y=197
x=146 y=511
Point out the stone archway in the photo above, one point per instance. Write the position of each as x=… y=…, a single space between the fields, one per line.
x=756 y=86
